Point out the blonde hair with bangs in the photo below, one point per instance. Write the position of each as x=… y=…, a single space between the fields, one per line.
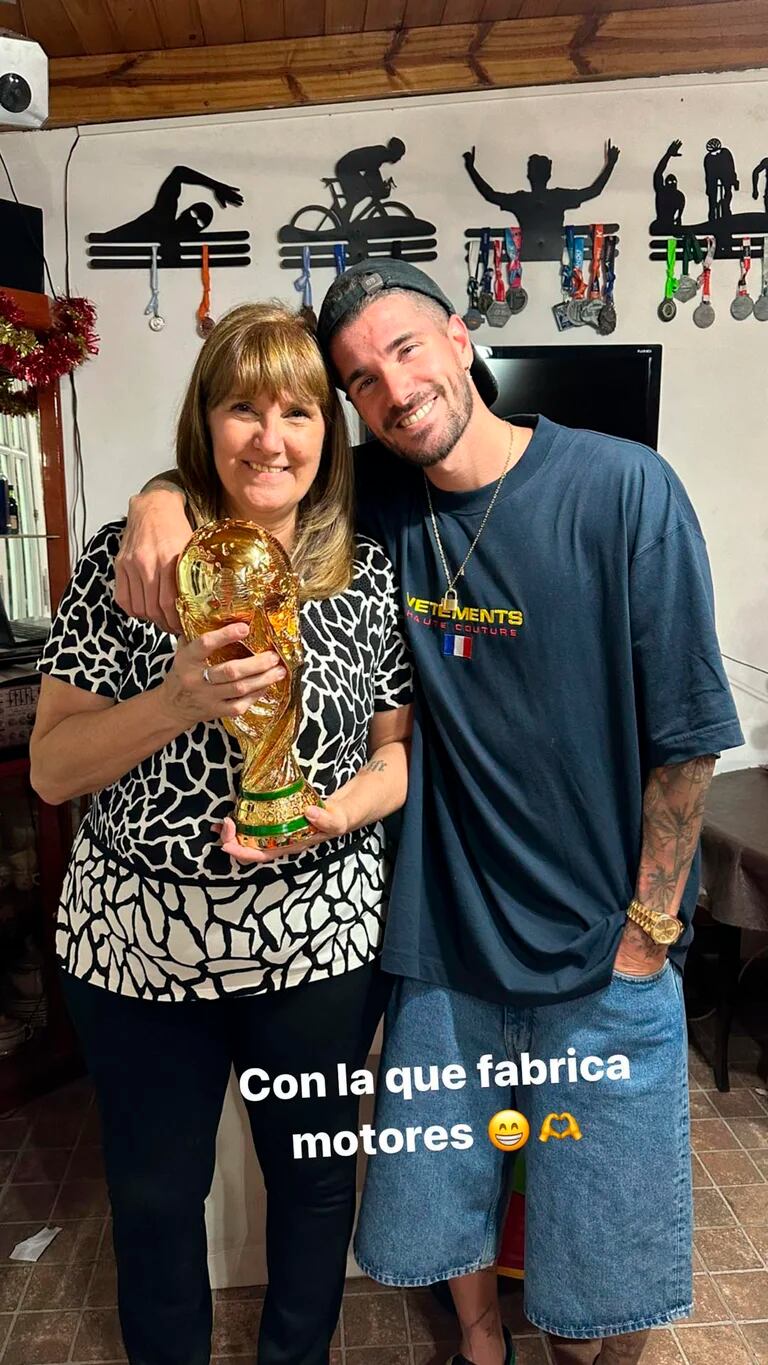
x=266 y=348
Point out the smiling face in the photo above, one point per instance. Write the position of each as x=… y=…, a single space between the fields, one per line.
x=404 y=364
x=509 y=1130
x=267 y=454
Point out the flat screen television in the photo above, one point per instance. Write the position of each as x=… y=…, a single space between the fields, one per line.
x=613 y=389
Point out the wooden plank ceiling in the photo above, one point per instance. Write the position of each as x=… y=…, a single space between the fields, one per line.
x=207 y=56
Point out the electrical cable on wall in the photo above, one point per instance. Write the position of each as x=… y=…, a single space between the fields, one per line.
x=78 y=541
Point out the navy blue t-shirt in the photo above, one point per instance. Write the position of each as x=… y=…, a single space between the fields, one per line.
x=583 y=654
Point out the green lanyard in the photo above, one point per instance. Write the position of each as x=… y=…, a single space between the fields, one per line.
x=670 y=288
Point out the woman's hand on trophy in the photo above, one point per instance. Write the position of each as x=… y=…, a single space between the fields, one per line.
x=330 y=822
x=194 y=690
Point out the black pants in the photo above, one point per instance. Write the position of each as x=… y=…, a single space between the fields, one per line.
x=161 y=1073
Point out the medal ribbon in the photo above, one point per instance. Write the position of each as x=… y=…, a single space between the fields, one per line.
x=499 y=290
x=598 y=232
x=609 y=272
x=304 y=282
x=485 y=256
x=513 y=240
x=670 y=286
x=340 y=258
x=204 y=307
x=153 y=306
x=691 y=251
x=578 y=283
x=746 y=264
x=706 y=270
x=568 y=263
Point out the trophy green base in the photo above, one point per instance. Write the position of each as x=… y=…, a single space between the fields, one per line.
x=272 y=819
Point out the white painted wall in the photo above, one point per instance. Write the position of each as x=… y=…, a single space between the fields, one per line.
x=713 y=413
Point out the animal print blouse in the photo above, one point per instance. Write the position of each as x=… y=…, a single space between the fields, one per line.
x=151 y=907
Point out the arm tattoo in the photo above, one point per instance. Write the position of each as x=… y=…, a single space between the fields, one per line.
x=673 y=810
x=376 y=765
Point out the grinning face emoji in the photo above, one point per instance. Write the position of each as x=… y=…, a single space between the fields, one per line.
x=508 y=1130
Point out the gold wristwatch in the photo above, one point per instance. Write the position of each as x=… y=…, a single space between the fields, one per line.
x=661 y=928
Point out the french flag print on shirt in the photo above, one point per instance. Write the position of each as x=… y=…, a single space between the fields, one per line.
x=460 y=646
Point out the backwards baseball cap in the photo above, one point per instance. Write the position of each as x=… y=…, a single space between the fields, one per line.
x=370 y=278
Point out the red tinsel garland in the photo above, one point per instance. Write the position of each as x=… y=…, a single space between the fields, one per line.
x=40 y=356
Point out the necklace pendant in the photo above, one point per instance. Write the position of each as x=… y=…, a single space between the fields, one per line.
x=450 y=600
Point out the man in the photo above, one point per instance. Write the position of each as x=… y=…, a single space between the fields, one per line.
x=570 y=702
x=760 y=169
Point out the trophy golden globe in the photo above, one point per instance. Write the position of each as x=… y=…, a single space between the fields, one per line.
x=236 y=571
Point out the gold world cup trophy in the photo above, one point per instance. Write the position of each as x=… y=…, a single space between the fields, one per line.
x=236 y=571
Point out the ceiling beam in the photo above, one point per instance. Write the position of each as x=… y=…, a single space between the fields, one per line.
x=728 y=35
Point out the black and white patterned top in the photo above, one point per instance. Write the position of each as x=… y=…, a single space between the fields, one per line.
x=151 y=907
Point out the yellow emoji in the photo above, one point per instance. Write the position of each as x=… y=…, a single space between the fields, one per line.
x=571 y=1128
x=509 y=1130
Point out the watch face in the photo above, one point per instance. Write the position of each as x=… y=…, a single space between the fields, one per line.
x=666 y=930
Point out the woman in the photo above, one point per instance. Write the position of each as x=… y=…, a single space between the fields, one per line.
x=182 y=953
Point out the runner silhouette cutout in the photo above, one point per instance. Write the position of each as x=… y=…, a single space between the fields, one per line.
x=540 y=211
x=762 y=167
x=164 y=224
x=670 y=200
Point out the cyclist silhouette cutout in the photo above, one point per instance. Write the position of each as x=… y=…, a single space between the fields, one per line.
x=359 y=173
x=164 y=224
x=670 y=200
x=720 y=179
x=762 y=167
x=540 y=211
x=361 y=210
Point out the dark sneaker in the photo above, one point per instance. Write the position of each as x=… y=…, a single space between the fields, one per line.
x=509 y=1358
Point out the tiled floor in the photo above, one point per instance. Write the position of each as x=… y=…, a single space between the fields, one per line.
x=63 y=1308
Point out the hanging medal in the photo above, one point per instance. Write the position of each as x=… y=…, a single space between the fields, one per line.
x=743 y=306
x=205 y=322
x=517 y=297
x=152 y=310
x=686 y=285
x=473 y=317
x=340 y=258
x=499 y=312
x=485 y=296
x=560 y=310
x=578 y=284
x=591 y=310
x=704 y=312
x=606 y=318
x=761 y=302
x=667 y=309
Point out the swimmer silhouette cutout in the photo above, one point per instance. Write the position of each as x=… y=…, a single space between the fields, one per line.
x=162 y=223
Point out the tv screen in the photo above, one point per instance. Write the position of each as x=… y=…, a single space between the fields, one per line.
x=613 y=389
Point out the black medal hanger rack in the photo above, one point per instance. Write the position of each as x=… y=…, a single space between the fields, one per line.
x=580 y=230
x=225 y=249
x=726 y=249
x=176 y=237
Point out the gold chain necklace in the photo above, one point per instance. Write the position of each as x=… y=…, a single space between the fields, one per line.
x=450 y=596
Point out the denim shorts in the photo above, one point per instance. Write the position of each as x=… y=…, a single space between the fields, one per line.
x=608 y=1215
